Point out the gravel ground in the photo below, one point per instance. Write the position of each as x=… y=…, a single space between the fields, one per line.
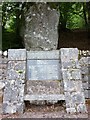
x=51 y=111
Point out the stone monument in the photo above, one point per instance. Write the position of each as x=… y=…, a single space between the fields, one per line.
x=40 y=27
x=47 y=88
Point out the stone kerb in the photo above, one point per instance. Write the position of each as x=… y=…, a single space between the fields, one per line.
x=71 y=75
x=13 y=100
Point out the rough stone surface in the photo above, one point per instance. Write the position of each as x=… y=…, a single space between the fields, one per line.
x=43 y=87
x=69 y=54
x=41 y=55
x=8 y=108
x=81 y=108
x=77 y=97
x=87 y=94
x=40 y=31
x=70 y=76
x=13 y=99
x=2 y=85
x=85 y=71
x=70 y=88
x=44 y=97
x=71 y=110
x=20 y=107
x=16 y=69
x=15 y=54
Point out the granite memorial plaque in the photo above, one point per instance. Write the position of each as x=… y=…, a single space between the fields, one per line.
x=43 y=70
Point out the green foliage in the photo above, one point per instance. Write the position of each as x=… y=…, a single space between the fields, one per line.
x=71 y=16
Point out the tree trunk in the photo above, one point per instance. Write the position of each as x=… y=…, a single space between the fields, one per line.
x=84 y=12
x=88 y=6
x=17 y=20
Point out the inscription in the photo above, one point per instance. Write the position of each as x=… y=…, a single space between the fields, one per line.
x=43 y=70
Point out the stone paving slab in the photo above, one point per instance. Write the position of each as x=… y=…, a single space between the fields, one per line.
x=44 y=97
x=43 y=87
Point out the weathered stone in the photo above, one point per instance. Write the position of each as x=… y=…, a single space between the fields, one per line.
x=1 y=72
x=70 y=105
x=2 y=85
x=78 y=97
x=81 y=108
x=3 y=66
x=17 y=54
x=71 y=74
x=84 y=70
x=85 y=85
x=43 y=55
x=19 y=82
x=71 y=77
x=14 y=86
x=8 y=108
x=87 y=94
x=70 y=64
x=41 y=92
x=40 y=31
x=50 y=97
x=69 y=85
x=20 y=108
x=10 y=94
x=3 y=60
x=88 y=69
x=68 y=97
x=84 y=61
x=36 y=102
x=86 y=78
x=12 y=74
x=17 y=65
x=75 y=74
x=43 y=87
x=21 y=90
x=69 y=54
x=78 y=86
x=7 y=94
x=20 y=66
x=43 y=70
x=71 y=110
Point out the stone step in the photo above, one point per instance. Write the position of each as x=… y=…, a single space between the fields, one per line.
x=43 y=55
x=44 y=97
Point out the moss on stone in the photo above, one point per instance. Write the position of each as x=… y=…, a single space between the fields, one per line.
x=20 y=71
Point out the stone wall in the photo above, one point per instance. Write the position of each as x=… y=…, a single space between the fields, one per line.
x=3 y=72
x=85 y=71
x=71 y=76
x=12 y=73
x=15 y=82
